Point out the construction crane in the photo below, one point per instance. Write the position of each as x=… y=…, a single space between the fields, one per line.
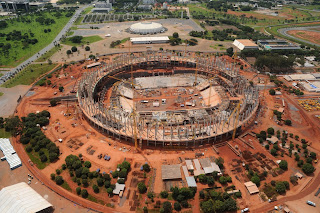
x=237 y=111
x=196 y=73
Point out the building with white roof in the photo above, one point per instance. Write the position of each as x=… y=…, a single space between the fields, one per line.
x=21 y=198
x=9 y=153
x=244 y=44
x=119 y=187
x=150 y=40
x=146 y=27
x=191 y=181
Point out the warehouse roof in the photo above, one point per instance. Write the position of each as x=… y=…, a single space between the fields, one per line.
x=10 y=154
x=119 y=188
x=191 y=181
x=252 y=188
x=21 y=198
x=170 y=172
x=246 y=42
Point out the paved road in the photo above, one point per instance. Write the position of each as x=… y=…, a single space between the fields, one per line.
x=284 y=31
x=17 y=69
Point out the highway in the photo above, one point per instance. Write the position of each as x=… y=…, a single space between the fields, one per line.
x=20 y=67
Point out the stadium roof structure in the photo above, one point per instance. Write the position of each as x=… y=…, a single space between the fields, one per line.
x=147 y=28
x=9 y=153
x=21 y=198
x=171 y=172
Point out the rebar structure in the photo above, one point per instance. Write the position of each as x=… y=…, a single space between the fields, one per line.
x=182 y=127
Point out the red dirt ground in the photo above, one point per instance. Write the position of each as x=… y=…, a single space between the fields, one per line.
x=306 y=35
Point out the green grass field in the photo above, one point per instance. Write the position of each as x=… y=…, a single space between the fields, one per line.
x=1 y=74
x=85 y=40
x=47 y=55
x=66 y=186
x=35 y=158
x=17 y=53
x=4 y=134
x=29 y=75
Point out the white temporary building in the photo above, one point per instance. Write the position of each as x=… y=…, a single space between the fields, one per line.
x=21 y=198
x=9 y=153
x=150 y=40
x=191 y=181
x=119 y=188
x=189 y=165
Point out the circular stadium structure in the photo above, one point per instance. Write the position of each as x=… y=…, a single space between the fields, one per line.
x=144 y=28
x=164 y=99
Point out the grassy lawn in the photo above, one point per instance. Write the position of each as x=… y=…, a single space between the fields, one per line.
x=29 y=75
x=66 y=186
x=18 y=53
x=1 y=74
x=47 y=55
x=3 y=133
x=34 y=157
x=1 y=94
x=87 y=10
x=85 y=40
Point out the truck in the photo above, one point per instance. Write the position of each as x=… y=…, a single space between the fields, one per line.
x=311 y=203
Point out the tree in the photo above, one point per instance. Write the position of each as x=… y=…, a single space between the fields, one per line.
x=219 y=161
x=43 y=158
x=177 y=206
x=164 y=194
x=69 y=52
x=294 y=179
x=95 y=188
x=74 y=49
x=87 y=48
x=280 y=187
x=273 y=152
x=272 y=92
x=61 y=88
x=29 y=148
x=313 y=155
x=230 y=204
x=175 y=35
x=230 y=51
x=210 y=181
x=167 y=207
x=100 y=182
x=286 y=183
x=208 y=206
x=53 y=156
x=267 y=146
x=288 y=122
x=84 y=193
x=110 y=191
x=53 y=102
x=87 y=164
x=76 y=39
x=53 y=176
x=270 y=131
x=146 y=167
x=142 y=187
x=78 y=190
x=126 y=165
x=59 y=180
x=307 y=168
x=202 y=178
x=283 y=165
x=223 y=180
x=256 y=180
x=85 y=182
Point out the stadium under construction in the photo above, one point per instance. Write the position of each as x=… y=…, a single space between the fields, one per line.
x=163 y=99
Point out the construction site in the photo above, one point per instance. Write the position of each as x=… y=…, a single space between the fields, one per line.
x=163 y=99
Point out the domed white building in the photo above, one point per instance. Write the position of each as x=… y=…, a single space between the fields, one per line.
x=144 y=28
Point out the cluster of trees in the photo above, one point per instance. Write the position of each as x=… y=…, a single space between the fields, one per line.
x=45 y=81
x=181 y=196
x=192 y=42
x=115 y=43
x=80 y=173
x=36 y=139
x=45 y=21
x=222 y=6
x=16 y=35
x=174 y=39
x=47 y=30
x=76 y=39
x=74 y=1
x=213 y=201
x=3 y=24
x=274 y=63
